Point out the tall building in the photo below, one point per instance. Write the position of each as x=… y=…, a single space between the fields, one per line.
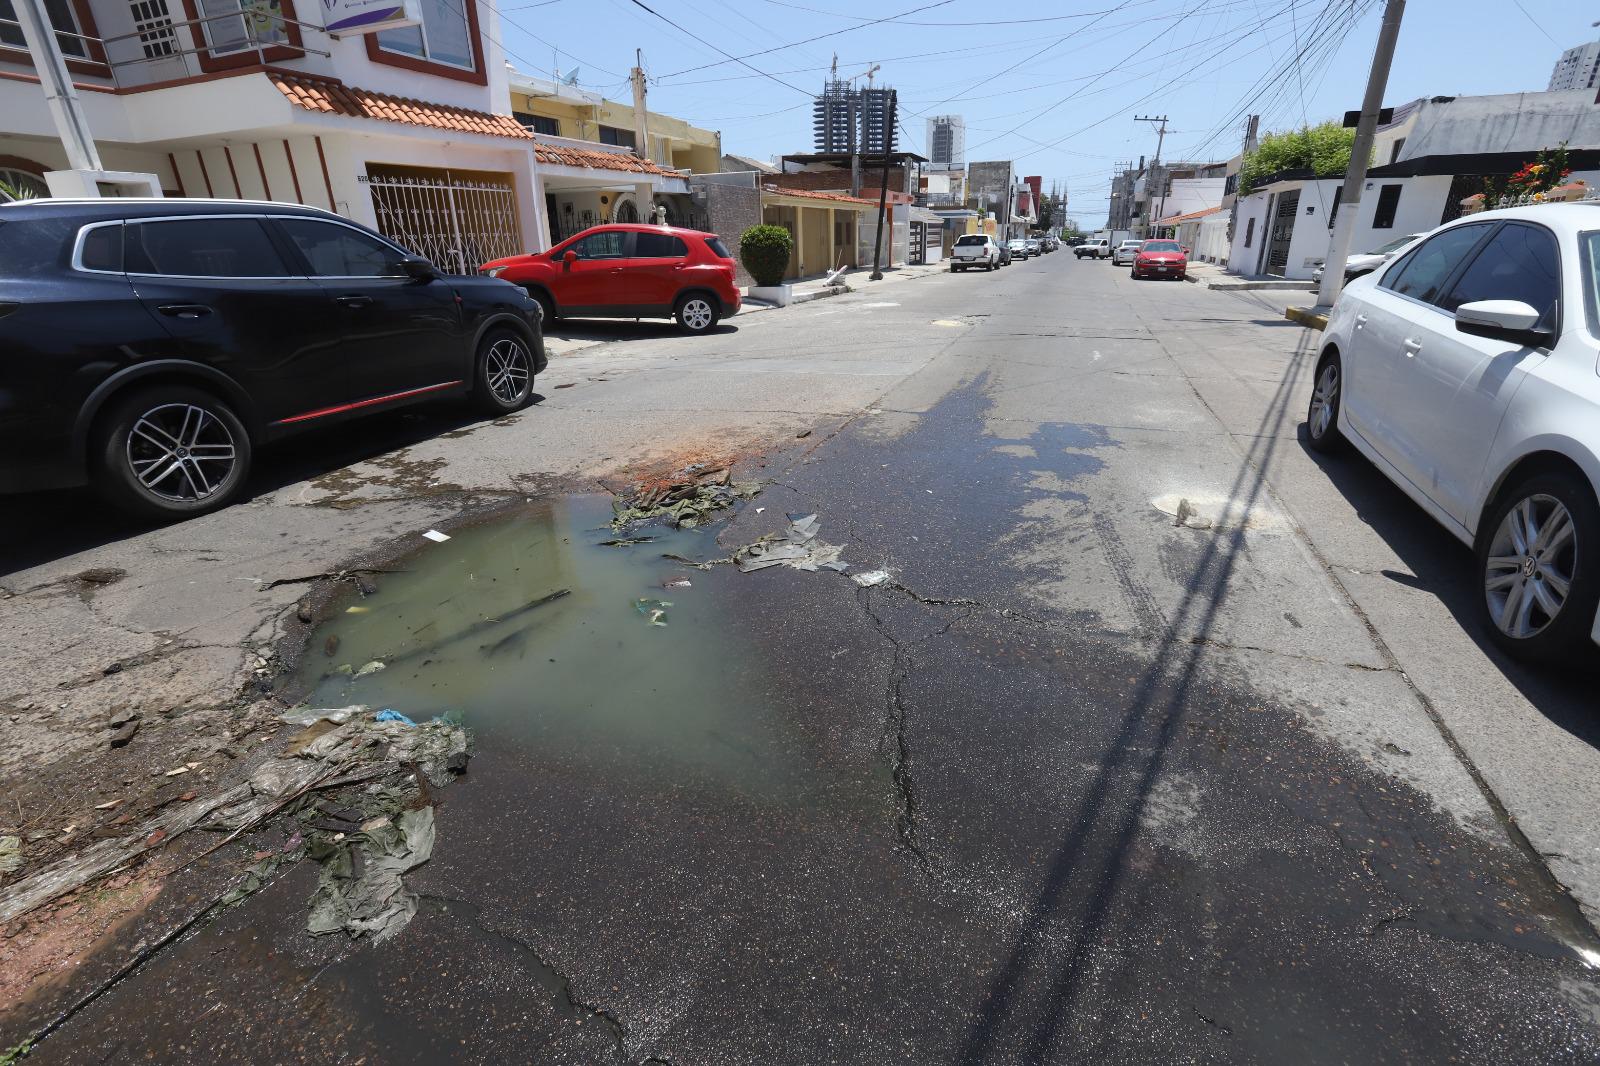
x=1577 y=68
x=947 y=140
x=848 y=119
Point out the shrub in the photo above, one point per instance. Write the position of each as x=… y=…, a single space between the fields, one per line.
x=764 y=251
x=1324 y=150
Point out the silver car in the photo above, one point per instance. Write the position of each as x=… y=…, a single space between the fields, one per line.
x=1125 y=253
x=1366 y=262
x=1465 y=370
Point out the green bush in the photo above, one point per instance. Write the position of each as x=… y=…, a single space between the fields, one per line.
x=764 y=251
x=1324 y=150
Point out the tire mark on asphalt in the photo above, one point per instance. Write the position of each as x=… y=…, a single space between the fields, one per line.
x=1143 y=603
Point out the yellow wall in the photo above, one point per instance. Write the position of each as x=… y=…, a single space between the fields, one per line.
x=673 y=142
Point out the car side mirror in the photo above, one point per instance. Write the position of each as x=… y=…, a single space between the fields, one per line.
x=568 y=259
x=1509 y=320
x=418 y=269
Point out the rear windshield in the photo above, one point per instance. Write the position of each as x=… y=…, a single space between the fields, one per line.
x=718 y=249
x=970 y=238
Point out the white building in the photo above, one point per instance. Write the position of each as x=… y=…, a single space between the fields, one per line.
x=404 y=129
x=947 y=140
x=1578 y=68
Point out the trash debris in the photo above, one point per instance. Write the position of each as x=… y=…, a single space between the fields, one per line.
x=655 y=610
x=177 y=771
x=360 y=891
x=625 y=542
x=358 y=609
x=387 y=715
x=370 y=668
x=108 y=804
x=869 y=578
x=677 y=583
x=684 y=499
x=798 y=549
x=10 y=854
x=312 y=715
x=802 y=435
x=437 y=537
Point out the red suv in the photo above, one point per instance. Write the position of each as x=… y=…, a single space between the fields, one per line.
x=629 y=271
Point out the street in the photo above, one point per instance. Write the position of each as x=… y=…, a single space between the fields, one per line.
x=1163 y=740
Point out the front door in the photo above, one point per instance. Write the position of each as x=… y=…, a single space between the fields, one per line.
x=398 y=336
x=1282 y=232
x=597 y=278
x=231 y=300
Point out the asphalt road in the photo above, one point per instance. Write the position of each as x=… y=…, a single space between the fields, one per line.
x=1166 y=743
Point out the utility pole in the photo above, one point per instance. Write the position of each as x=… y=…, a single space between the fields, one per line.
x=1155 y=164
x=1360 y=152
x=883 y=187
x=641 y=117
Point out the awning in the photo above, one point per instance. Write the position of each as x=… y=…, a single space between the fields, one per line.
x=1174 y=220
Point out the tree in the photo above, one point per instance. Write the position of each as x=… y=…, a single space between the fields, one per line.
x=1047 y=208
x=1324 y=150
x=764 y=251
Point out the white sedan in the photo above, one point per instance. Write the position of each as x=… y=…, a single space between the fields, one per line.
x=1468 y=371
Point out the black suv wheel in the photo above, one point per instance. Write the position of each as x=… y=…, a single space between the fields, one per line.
x=169 y=452
x=503 y=380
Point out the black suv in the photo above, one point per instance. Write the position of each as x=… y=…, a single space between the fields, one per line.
x=147 y=346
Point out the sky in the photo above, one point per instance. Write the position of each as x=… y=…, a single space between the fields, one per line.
x=1054 y=86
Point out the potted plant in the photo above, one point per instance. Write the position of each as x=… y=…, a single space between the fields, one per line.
x=764 y=251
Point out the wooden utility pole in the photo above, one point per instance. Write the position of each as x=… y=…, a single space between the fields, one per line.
x=641 y=117
x=1155 y=164
x=1360 y=152
x=883 y=186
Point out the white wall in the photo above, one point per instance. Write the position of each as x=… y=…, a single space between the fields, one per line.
x=1191 y=194
x=1242 y=260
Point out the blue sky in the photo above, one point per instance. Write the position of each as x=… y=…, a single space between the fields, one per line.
x=1053 y=86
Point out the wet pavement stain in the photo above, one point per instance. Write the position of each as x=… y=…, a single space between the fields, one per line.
x=809 y=822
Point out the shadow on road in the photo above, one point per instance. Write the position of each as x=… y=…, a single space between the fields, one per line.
x=1445 y=567
x=42 y=527
x=622 y=330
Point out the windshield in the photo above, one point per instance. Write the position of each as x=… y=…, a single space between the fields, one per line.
x=1162 y=246
x=970 y=238
x=1395 y=245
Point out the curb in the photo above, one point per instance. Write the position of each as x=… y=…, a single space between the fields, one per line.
x=1242 y=286
x=1309 y=317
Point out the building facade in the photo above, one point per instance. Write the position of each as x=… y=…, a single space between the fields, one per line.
x=947 y=140
x=1578 y=68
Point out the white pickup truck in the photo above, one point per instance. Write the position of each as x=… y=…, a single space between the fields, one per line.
x=974 y=250
x=1097 y=248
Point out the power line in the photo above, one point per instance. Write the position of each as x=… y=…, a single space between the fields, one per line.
x=986 y=22
x=733 y=58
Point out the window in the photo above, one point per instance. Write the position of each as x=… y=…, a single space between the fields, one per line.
x=1249 y=232
x=613 y=135
x=658 y=246
x=27 y=186
x=202 y=248
x=335 y=251
x=1333 y=212
x=538 y=123
x=718 y=249
x=1518 y=263
x=967 y=239
x=61 y=18
x=1422 y=274
x=1388 y=202
x=1394 y=150
x=102 y=248
x=152 y=21
x=240 y=25
x=445 y=35
x=611 y=244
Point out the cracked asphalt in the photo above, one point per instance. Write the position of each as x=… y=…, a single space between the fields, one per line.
x=1166 y=742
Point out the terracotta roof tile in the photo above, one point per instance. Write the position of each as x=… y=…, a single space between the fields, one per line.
x=331 y=97
x=810 y=194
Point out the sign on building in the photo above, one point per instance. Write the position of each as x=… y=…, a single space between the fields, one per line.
x=369 y=16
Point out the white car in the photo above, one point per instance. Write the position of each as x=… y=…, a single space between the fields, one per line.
x=1366 y=262
x=1125 y=254
x=974 y=250
x=1468 y=371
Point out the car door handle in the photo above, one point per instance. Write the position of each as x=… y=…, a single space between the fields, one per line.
x=352 y=301
x=1412 y=347
x=1361 y=320
x=184 y=310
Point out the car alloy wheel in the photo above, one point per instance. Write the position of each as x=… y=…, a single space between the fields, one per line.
x=1322 y=415
x=696 y=314
x=180 y=452
x=507 y=370
x=1532 y=560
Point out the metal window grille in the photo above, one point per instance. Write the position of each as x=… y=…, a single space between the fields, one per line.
x=153 y=23
x=459 y=224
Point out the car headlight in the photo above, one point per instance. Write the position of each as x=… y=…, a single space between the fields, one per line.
x=494 y=272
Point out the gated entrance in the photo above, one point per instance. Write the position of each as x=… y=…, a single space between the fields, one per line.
x=1282 y=232
x=458 y=219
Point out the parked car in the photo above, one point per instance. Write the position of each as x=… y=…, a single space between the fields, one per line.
x=974 y=250
x=1073 y=242
x=1095 y=248
x=1465 y=371
x=1366 y=262
x=1161 y=259
x=630 y=271
x=148 y=347
x=1125 y=253
x=1033 y=246
x=1005 y=253
x=1019 y=248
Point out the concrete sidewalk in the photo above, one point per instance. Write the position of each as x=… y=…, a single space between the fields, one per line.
x=856 y=279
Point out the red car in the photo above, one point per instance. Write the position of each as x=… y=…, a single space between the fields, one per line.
x=1161 y=259
x=629 y=271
